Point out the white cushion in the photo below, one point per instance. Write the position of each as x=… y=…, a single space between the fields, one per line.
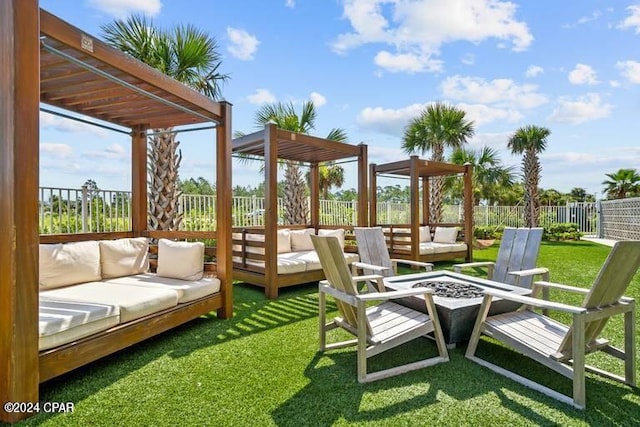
x=301 y=240
x=124 y=257
x=445 y=235
x=180 y=260
x=429 y=248
x=62 y=322
x=68 y=264
x=313 y=262
x=398 y=238
x=425 y=234
x=186 y=290
x=339 y=233
x=284 y=240
x=133 y=301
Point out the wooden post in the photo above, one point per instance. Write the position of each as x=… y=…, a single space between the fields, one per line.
x=19 y=180
x=139 y=203
x=314 y=171
x=425 y=200
x=224 y=187
x=414 y=175
x=271 y=210
x=468 y=210
x=373 y=196
x=362 y=186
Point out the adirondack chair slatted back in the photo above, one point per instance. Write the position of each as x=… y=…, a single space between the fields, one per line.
x=609 y=286
x=372 y=249
x=518 y=250
x=337 y=273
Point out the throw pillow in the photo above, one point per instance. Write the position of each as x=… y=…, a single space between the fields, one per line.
x=445 y=235
x=301 y=240
x=180 y=260
x=124 y=257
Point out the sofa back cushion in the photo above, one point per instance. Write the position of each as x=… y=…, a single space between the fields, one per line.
x=339 y=233
x=124 y=257
x=425 y=234
x=445 y=235
x=180 y=260
x=284 y=241
x=64 y=264
x=301 y=240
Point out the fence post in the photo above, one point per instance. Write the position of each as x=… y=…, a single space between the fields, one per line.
x=600 y=221
x=84 y=208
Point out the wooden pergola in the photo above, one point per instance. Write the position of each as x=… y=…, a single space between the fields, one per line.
x=420 y=171
x=44 y=59
x=275 y=144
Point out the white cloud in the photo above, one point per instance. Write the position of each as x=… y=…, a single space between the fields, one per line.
x=290 y=3
x=418 y=29
x=262 y=96
x=633 y=20
x=388 y=120
x=60 y=151
x=533 y=71
x=580 y=109
x=583 y=75
x=61 y=124
x=504 y=92
x=630 y=70
x=585 y=19
x=113 y=152
x=468 y=59
x=124 y=8
x=243 y=45
x=614 y=83
x=317 y=99
x=482 y=114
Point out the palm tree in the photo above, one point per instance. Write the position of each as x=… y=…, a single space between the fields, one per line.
x=622 y=183
x=530 y=141
x=438 y=127
x=286 y=117
x=189 y=56
x=489 y=175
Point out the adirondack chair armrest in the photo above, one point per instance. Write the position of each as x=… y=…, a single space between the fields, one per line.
x=567 y=288
x=544 y=272
x=458 y=267
x=383 y=296
x=427 y=265
x=363 y=265
x=535 y=302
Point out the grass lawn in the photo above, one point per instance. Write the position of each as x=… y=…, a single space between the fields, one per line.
x=261 y=368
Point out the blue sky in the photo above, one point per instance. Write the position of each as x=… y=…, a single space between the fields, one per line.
x=372 y=65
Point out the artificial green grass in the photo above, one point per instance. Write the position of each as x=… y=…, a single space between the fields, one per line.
x=262 y=368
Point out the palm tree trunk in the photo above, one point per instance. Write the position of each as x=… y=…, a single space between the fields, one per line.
x=437 y=187
x=164 y=161
x=294 y=195
x=531 y=199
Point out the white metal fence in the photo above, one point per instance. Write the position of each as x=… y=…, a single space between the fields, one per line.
x=65 y=210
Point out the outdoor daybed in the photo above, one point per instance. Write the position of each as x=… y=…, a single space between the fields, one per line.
x=424 y=239
x=97 y=297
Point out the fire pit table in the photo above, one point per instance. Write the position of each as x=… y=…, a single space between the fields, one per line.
x=457 y=298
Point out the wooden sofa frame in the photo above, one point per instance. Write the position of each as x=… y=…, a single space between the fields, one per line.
x=419 y=171
x=44 y=58
x=274 y=144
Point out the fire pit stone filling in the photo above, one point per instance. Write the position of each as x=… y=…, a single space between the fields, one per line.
x=450 y=289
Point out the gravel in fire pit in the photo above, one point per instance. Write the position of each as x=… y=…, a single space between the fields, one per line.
x=443 y=288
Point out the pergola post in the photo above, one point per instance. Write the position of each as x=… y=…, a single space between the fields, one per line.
x=468 y=209
x=373 y=195
x=19 y=179
x=224 y=264
x=271 y=210
x=414 y=223
x=314 y=190
x=362 y=186
x=139 y=203
x=426 y=208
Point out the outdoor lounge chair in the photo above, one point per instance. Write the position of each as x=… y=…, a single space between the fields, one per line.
x=374 y=255
x=563 y=348
x=379 y=327
x=516 y=260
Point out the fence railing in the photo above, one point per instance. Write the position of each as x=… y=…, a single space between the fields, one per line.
x=65 y=210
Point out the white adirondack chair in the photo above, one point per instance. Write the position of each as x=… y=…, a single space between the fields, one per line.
x=378 y=328
x=374 y=255
x=563 y=348
x=516 y=260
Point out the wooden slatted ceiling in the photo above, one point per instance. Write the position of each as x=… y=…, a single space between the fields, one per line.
x=296 y=147
x=426 y=168
x=70 y=86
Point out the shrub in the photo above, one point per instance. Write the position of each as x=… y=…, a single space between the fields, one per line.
x=562 y=231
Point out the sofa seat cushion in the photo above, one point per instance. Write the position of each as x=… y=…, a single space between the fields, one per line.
x=429 y=248
x=291 y=262
x=186 y=290
x=62 y=322
x=313 y=262
x=133 y=301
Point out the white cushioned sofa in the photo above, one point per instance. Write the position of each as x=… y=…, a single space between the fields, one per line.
x=92 y=287
x=296 y=260
x=435 y=243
